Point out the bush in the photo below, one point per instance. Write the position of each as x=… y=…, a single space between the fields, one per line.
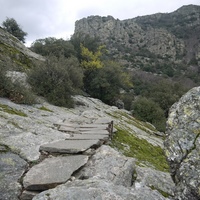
x=147 y=110
x=57 y=79
x=11 y=26
x=13 y=90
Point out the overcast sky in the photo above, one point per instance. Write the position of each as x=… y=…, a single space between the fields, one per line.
x=56 y=18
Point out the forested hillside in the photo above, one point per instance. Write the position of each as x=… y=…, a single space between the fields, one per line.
x=144 y=64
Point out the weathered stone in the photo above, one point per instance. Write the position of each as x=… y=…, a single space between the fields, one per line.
x=28 y=195
x=88 y=137
x=94 y=188
x=104 y=120
x=160 y=181
x=52 y=171
x=110 y=165
x=11 y=169
x=96 y=132
x=69 y=146
x=182 y=145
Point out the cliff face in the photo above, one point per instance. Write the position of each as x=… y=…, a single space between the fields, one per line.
x=149 y=40
x=182 y=145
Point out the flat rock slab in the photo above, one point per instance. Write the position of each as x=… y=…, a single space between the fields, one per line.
x=69 y=146
x=103 y=120
x=68 y=129
x=88 y=137
x=96 y=132
x=52 y=172
x=11 y=169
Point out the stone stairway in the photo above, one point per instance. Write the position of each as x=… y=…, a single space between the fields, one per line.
x=65 y=157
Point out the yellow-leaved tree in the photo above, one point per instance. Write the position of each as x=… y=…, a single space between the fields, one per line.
x=91 y=60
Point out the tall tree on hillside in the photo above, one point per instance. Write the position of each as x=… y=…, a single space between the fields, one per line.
x=11 y=26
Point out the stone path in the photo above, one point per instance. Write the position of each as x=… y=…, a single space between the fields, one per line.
x=65 y=157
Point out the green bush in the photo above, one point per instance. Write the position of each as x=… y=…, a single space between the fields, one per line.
x=147 y=110
x=57 y=79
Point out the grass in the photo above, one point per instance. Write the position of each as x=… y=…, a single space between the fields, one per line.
x=131 y=120
x=45 y=109
x=144 y=152
x=10 y=110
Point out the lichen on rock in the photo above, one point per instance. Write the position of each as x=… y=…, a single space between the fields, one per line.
x=182 y=145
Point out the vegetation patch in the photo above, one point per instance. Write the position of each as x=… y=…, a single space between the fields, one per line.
x=165 y=194
x=10 y=110
x=45 y=109
x=131 y=120
x=140 y=149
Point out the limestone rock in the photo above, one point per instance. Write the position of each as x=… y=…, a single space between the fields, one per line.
x=11 y=169
x=52 y=172
x=69 y=146
x=182 y=145
x=91 y=189
x=154 y=179
x=108 y=164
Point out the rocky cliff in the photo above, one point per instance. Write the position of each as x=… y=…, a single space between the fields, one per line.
x=161 y=43
x=183 y=145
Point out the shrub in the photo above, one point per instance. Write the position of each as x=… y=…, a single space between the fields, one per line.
x=147 y=110
x=14 y=90
x=57 y=79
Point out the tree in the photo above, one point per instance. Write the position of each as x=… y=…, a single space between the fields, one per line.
x=11 y=26
x=106 y=82
x=56 y=47
x=57 y=80
x=147 y=110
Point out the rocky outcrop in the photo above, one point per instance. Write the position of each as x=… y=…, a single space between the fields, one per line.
x=149 y=42
x=33 y=134
x=182 y=145
x=108 y=175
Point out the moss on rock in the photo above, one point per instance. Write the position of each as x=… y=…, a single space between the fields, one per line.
x=140 y=149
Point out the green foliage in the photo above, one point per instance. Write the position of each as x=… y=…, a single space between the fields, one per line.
x=11 y=26
x=105 y=83
x=92 y=44
x=14 y=90
x=91 y=60
x=12 y=111
x=57 y=79
x=56 y=47
x=140 y=149
x=147 y=110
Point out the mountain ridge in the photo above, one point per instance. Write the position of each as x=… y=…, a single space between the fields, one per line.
x=162 y=43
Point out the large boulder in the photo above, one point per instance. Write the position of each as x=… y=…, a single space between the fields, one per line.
x=96 y=188
x=182 y=145
x=108 y=164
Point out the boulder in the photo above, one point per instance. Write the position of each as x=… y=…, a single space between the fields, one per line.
x=12 y=168
x=154 y=179
x=110 y=165
x=182 y=145
x=52 y=172
x=94 y=188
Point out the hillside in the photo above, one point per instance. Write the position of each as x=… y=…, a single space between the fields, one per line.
x=54 y=152
x=163 y=43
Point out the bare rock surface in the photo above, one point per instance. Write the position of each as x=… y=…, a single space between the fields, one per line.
x=94 y=188
x=52 y=171
x=108 y=164
x=69 y=146
x=182 y=145
x=12 y=168
x=154 y=179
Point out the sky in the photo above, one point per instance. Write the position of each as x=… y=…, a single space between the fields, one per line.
x=56 y=18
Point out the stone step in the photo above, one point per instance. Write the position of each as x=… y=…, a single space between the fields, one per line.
x=95 y=132
x=52 y=172
x=69 y=146
x=88 y=137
